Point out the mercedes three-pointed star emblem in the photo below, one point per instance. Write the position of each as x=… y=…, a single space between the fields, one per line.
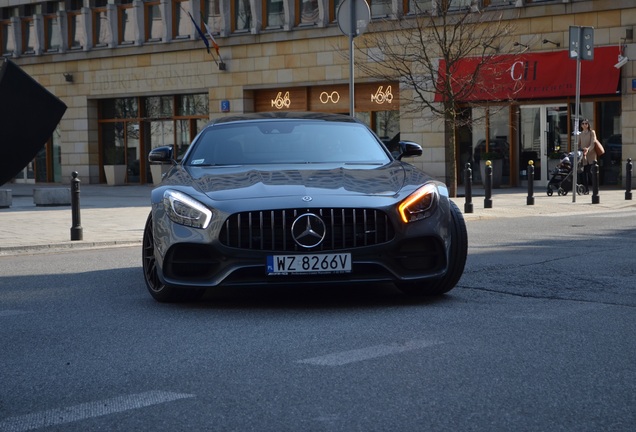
x=308 y=230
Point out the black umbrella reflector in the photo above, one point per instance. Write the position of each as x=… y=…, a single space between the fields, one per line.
x=28 y=116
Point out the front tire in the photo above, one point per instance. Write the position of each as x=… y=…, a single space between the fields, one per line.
x=457 y=261
x=158 y=290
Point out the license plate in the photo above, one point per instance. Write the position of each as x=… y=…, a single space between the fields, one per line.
x=308 y=264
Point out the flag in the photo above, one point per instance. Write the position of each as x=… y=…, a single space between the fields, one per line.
x=214 y=44
x=201 y=35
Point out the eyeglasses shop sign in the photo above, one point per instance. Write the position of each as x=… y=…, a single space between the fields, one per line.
x=369 y=97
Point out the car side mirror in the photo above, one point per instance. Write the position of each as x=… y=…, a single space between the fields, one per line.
x=161 y=155
x=408 y=149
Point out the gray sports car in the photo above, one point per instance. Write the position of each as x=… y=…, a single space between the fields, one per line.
x=298 y=198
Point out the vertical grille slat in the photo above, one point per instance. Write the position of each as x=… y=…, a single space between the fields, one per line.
x=270 y=230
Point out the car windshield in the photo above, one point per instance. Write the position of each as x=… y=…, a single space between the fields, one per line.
x=284 y=141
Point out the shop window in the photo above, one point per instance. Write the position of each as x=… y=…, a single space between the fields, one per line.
x=159 y=107
x=113 y=144
x=153 y=23
x=133 y=153
x=386 y=124
x=499 y=139
x=274 y=13
x=120 y=108
x=586 y=111
x=196 y=104
x=127 y=134
x=54 y=152
x=241 y=16
x=490 y=142
x=307 y=12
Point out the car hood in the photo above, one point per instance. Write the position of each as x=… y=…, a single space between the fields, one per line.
x=245 y=182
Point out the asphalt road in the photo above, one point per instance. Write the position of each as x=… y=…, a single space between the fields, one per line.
x=538 y=336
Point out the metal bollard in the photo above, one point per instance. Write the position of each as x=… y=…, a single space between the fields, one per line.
x=628 y=179
x=530 y=199
x=595 y=198
x=76 y=228
x=488 y=185
x=468 y=182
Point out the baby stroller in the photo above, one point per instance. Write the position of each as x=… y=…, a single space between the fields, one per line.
x=563 y=177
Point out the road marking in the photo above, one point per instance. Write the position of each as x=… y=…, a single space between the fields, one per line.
x=353 y=356
x=87 y=410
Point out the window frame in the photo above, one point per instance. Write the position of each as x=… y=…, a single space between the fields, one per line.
x=50 y=21
x=298 y=5
x=9 y=29
x=266 y=23
x=95 y=17
x=149 y=6
x=234 y=17
x=180 y=13
x=124 y=10
x=27 y=29
x=72 y=30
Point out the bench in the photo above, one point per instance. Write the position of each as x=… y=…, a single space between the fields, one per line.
x=5 y=198
x=52 y=196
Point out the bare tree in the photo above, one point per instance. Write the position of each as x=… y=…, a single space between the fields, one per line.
x=442 y=58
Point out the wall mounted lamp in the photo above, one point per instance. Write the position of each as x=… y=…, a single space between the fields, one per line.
x=520 y=44
x=557 y=44
x=68 y=77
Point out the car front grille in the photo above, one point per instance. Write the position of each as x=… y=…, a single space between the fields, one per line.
x=270 y=230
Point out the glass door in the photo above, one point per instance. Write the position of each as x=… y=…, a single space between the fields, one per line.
x=543 y=137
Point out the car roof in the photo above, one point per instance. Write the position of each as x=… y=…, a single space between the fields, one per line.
x=284 y=115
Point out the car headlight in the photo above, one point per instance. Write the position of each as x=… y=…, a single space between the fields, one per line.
x=185 y=210
x=419 y=204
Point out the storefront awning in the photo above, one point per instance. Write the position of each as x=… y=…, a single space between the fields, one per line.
x=533 y=76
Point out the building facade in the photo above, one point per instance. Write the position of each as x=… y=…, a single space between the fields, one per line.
x=137 y=74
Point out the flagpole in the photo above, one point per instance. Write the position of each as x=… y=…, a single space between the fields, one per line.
x=205 y=39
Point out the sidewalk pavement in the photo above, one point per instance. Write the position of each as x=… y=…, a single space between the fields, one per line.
x=116 y=215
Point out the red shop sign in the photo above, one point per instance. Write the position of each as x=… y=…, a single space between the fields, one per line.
x=532 y=76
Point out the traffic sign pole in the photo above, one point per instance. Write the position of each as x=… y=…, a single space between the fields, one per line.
x=353 y=19
x=352 y=34
x=581 y=48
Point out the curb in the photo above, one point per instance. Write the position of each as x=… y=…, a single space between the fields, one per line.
x=61 y=247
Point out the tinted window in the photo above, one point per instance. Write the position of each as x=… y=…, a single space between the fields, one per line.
x=286 y=142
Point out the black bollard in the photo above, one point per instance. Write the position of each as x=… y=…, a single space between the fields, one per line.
x=530 y=199
x=76 y=228
x=595 y=198
x=628 y=179
x=488 y=185
x=468 y=182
